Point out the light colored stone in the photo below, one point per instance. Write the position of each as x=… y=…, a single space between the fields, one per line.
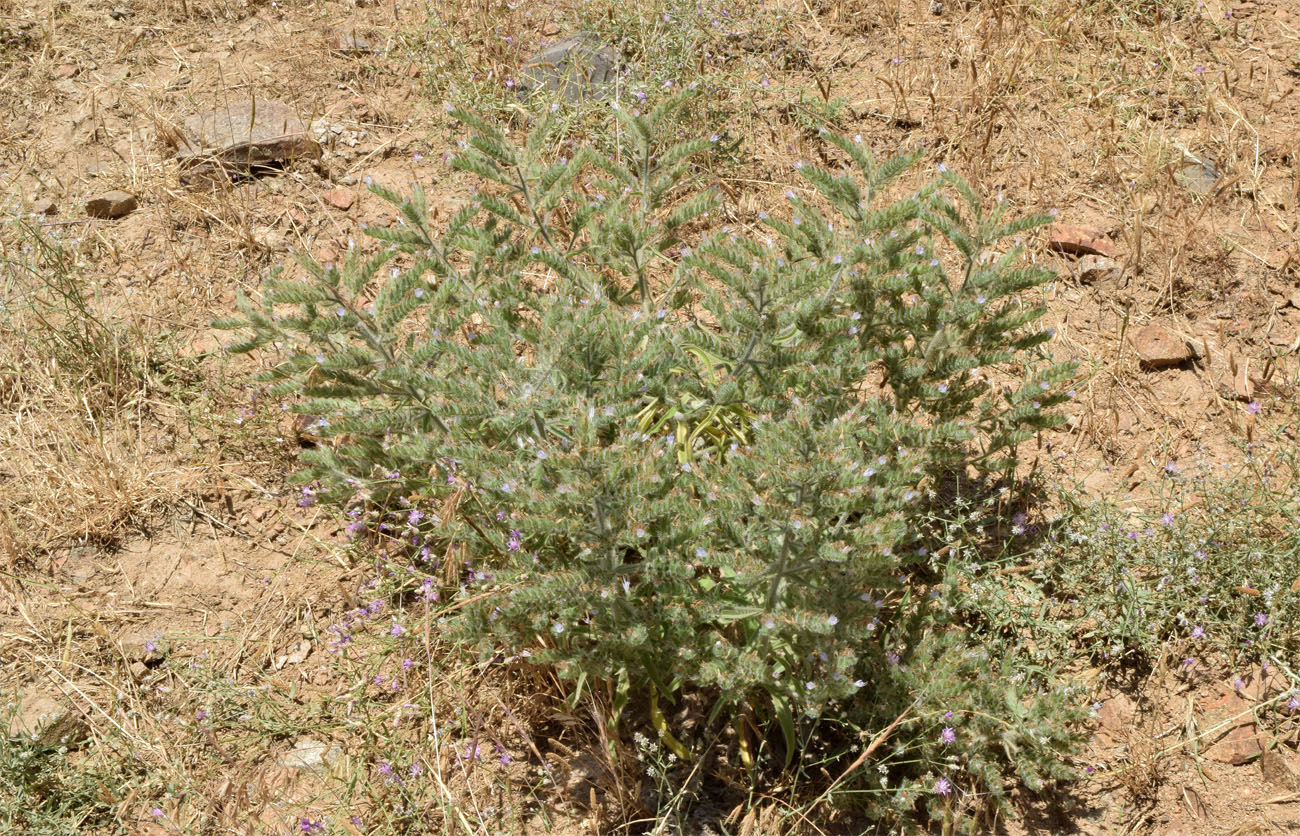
x=44 y=206
x=1075 y=239
x=348 y=42
x=1240 y=745
x=1158 y=347
x=1199 y=177
x=1274 y=769
x=339 y=198
x=311 y=754
x=111 y=205
x=243 y=137
x=1114 y=718
x=1097 y=268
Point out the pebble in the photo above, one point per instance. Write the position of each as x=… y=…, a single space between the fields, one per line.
x=1073 y=239
x=311 y=754
x=347 y=42
x=1159 y=348
x=44 y=206
x=1096 y=268
x=1274 y=770
x=1199 y=177
x=339 y=198
x=111 y=205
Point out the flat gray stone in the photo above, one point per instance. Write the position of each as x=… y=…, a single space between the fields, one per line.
x=348 y=42
x=574 y=68
x=1199 y=177
x=1096 y=268
x=243 y=137
x=311 y=754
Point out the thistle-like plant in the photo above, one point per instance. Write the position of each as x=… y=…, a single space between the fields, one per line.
x=669 y=469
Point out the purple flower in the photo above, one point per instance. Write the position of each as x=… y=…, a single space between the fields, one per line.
x=1167 y=519
x=385 y=768
x=407 y=664
x=1252 y=407
x=892 y=657
x=943 y=787
x=1293 y=703
x=1260 y=619
x=415 y=770
x=504 y=756
x=157 y=811
x=308 y=826
x=1198 y=632
x=471 y=752
x=413 y=518
x=396 y=630
x=515 y=540
x=948 y=736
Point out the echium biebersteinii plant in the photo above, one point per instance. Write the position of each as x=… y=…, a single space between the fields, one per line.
x=673 y=469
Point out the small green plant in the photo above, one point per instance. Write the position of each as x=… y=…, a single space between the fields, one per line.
x=664 y=469
x=43 y=787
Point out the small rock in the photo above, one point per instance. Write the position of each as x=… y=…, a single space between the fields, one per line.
x=550 y=30
x=1096 y=268
x=111 y=205
x=44 y=206
x=311 y=754
x=936 y=7
x=35 y=710
x=1236 y=385
x=296 y=656
x=66 y=71
x=1274 y=769
x=1159 y=348
x=339 y=198
x=1294 y=299
x=578 y=67
x=146 y=649
x=1237 y=748
x=1199 y=177
x=269 y=239
x=1113 y=718
x=1279 y=197
x=244 y=137
x=138 y=670
x=1080 y=240
x=347 y=42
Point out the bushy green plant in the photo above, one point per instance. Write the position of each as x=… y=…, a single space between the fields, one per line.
x=671 y=469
